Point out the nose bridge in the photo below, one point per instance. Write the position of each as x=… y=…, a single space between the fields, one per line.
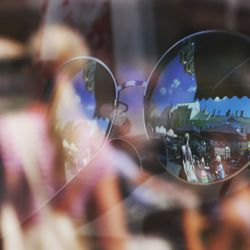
x=130 y=120
x=133 y=83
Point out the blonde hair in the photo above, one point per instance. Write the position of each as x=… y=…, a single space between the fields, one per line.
x=55 y=44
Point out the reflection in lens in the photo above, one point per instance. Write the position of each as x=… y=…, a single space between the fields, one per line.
x=84 y=89
x=198 y=106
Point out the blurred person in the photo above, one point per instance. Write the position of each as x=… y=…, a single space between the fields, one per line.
x=76 y=139
x=31 y=160
x=27 y=159
x=193 y=225
x=226 y=226
x=231 y=225
x=26 y=192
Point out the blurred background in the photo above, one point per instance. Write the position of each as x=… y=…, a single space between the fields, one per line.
x=122 y=34
x=132 y=211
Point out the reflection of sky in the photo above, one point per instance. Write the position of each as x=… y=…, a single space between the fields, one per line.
x=85 y=97
x=174 y=86
x=87 y=101
x=224 y=104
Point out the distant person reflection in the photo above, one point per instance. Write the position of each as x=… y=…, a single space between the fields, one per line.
x=187 y=171
x=220 y=173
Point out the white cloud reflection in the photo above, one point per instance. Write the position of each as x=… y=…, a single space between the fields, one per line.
x=192 y=89
x=176 y=83
x=163 y=91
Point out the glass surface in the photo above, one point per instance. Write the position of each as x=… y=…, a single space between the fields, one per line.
x=81 y=111
x=198 y=106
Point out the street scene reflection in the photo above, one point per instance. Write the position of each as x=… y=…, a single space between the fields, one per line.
x=200 y=111
x=215 y=144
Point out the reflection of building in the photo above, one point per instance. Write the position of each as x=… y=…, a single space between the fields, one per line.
x=183 y=113
x=190 y=113
x=204 y=120
x=194 y=107
x=201 y=119
x=240 y=123
x=223 y=133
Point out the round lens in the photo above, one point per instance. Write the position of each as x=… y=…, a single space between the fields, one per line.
x=197 y=107
x=81 y=110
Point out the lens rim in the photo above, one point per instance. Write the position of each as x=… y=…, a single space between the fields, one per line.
x=150 y=83
x=53 y=105
x=115 y=101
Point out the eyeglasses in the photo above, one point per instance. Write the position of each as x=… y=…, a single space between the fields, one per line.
x=196 y=108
